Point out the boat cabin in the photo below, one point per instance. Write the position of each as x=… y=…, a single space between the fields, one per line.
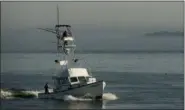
x=74 y=77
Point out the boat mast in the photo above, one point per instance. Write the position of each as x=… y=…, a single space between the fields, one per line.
x=58 y=35
x=68 y=49
x=57 y=30
x=57 y=15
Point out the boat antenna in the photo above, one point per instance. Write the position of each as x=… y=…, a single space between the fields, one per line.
x=57 y=31
x=58 y=15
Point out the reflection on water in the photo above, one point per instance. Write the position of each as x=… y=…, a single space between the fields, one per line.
x=35 y=104
x=60 y=104
x=85 y=105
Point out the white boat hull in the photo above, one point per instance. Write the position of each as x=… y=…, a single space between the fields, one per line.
x=93 y=90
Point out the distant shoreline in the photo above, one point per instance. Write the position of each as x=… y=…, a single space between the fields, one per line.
x=165 y=33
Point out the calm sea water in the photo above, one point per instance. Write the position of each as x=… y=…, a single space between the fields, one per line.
x=134 y=80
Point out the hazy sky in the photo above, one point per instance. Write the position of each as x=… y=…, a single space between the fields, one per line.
x=92 y=22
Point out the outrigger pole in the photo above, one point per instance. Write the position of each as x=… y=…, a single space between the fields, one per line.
x=57 y=30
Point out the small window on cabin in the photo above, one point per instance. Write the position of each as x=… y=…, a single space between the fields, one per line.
x=87 y=78
x=82 y=79
x=74 y=79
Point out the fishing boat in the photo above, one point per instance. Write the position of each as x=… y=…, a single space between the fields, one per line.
x=69 y=78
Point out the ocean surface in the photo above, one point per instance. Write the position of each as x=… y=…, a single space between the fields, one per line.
x=134 y=81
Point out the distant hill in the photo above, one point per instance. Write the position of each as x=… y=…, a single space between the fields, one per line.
x=165 y=33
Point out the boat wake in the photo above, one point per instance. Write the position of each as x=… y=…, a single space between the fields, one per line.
x=16 y=93
x=12 y=94
x=109 y=96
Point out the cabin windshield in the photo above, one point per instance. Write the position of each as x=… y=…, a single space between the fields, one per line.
x=82 y=79
x=73 y=79
x=88 y=77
